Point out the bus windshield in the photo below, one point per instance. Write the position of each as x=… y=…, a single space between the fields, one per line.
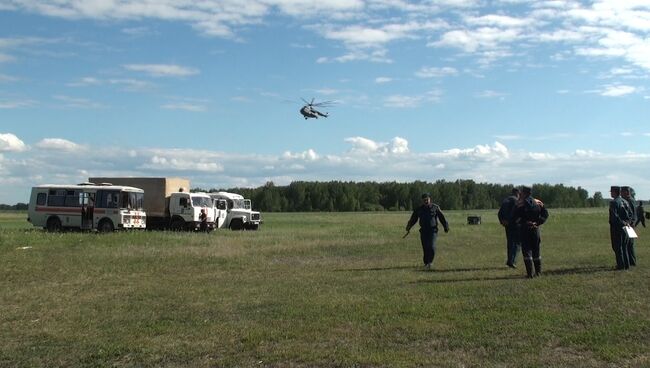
x=132 y=200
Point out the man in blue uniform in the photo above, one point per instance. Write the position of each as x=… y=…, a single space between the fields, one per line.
x=618 y=218
x=640 y=215
x=512 y=232
x=626 y=194
x=428 y=215
x=530 y=214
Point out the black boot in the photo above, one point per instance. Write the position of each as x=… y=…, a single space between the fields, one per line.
x=538 y=267
x=529 y=268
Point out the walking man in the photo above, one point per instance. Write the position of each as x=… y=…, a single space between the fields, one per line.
x=512 y=231
x=428 y=215
x=530 y=214
x=618 y=218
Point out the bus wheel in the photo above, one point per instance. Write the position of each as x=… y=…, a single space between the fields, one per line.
x=236 y=224
x=53 y=225
x=105 y=226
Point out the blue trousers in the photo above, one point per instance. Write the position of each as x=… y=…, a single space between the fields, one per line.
x=620 y=248
x=428 y=239
x=512 y=244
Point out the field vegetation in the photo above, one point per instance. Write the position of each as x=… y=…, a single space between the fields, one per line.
x=321 y=290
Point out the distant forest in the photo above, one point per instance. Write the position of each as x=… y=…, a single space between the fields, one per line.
x=15 y=207
x=335 y=196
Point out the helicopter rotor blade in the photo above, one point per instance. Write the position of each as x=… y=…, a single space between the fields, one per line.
x=324 y=103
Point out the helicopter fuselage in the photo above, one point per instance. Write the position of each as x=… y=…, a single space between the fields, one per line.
x=309 y=112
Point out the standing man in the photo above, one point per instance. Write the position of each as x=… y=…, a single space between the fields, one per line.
x=626 y=194
x=640 y=215
x=530 y=214
x=512 y=231
x=203 y=217
x=618 y=218
x=428 y=215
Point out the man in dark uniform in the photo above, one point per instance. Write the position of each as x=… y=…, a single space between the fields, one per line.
x=618 y=218
x=626 y=194
x=512 y=231
x=530 y=214
x=640 y=215
x=428 y=215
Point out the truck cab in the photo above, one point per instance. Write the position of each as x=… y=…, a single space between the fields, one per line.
x=239 y=212
x=185 y=211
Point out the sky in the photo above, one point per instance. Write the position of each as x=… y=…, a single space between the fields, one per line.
x=499 y=91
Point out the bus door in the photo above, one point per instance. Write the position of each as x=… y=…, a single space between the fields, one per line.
x=87 y=209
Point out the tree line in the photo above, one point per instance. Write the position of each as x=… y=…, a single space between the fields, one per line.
x=14 y=207
x=340 y=196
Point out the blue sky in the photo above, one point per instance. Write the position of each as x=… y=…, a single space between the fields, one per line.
x=505 y=91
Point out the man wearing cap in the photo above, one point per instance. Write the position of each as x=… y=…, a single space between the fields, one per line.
x=512 y=231
x=626 y=194
x=530 y=214
x=428 y=215
x=618 y=218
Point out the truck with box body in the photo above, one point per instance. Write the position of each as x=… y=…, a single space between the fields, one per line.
x=240 y=214
x=168 y=202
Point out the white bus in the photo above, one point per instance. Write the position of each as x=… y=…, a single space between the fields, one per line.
x=86 y=206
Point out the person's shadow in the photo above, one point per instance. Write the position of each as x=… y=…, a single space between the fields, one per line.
x=546 y=273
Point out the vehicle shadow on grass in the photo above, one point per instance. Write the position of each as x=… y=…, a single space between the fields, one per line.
x=546 y=273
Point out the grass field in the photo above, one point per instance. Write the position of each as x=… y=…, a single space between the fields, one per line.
x=321 y=290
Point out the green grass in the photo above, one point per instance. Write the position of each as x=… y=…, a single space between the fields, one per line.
x=321 y=290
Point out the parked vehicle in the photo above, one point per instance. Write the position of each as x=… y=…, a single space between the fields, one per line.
x=240 y=215
x=168 y=202
x=87 y=206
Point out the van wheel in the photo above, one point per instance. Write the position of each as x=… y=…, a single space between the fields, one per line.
x=236 y=224
x=178 y=225
x=53 y=225
x=105 y=226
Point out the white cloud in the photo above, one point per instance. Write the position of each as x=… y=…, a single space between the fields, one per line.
x=184 y=106
x=491 y=94
x=163 y=163
x=309 y=155
x=364 y=146
x=617 y=90
x=16 y=104
x=367 y=159
x=58 y=144
x=402 y=101
x=483 y=38
x=162 y=70
x=10 y=143
x=69 y=102
x=435 y=72
x=485 y=152
x=382 y=80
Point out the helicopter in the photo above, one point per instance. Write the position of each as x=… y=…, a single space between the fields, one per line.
x=309 y=110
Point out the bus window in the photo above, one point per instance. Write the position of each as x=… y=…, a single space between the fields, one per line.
x=40 y=199
x=107 y=199
x=72 y=198
x=56 y=197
